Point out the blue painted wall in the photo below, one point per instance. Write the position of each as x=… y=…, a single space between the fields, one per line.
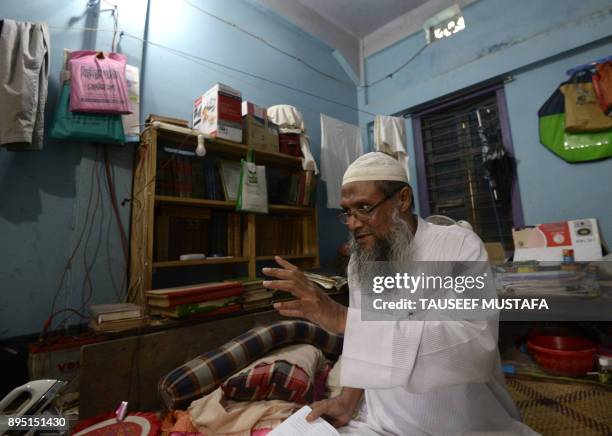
x=535 y=42
x=44 y=196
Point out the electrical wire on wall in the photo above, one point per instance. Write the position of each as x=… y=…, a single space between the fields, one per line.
x=297 y=58
x=269 y=44
x=69 y=263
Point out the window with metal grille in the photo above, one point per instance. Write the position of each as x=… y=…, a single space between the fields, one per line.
x=452 y=177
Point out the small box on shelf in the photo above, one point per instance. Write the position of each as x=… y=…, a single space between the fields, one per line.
x=218 y=113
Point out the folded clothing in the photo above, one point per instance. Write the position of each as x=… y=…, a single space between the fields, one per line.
x=214 y=415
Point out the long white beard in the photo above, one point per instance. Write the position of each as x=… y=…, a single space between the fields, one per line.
x=388 y=255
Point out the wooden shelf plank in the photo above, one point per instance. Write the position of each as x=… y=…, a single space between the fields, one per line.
x=285 y=208
x=230 y=149
x=202 y=202
x=288 y=256
x=218 y=204
x=208 y=261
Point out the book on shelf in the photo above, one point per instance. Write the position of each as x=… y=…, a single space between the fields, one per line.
x=195 y=289
x=229 y=173
x=113 y=312
x=218 y=234
x=186 y=235
x=256 y=305
x=301 y=189
x=170 y=301
x=118 y=325
x=234 y=234
x=222 y=311
x=184 y=310
x=197 y=178
x=255 y=297
x=293 y=189
x=214 y=190
x=279 y=234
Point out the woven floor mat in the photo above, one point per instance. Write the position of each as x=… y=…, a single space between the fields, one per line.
x=554 y=408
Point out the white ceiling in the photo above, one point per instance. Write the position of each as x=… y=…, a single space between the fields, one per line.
x=361 y=17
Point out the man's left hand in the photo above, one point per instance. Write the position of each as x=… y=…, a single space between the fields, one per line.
x=312 y=304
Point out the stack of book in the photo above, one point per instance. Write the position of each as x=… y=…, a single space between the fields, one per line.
x=204 y=299
x=542 y=279
x=107 y=318
x=255 y=295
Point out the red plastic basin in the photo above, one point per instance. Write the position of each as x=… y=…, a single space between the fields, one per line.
x=563 y=355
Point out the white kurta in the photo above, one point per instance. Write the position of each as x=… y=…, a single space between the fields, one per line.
x=429 y=377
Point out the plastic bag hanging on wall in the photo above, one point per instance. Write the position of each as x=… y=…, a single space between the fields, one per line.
x=571 y=147
x=99 y=83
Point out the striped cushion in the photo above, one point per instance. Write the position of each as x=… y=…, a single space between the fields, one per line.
x=203 y=374
x=279 y=380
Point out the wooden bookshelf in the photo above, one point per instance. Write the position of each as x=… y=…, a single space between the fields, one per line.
x=207 y=261
x=229 y=205
x=287 y=257
x=150 y=224
x=229 y=150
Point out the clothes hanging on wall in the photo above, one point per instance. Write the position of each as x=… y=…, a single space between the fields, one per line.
x=340 y=145
x=24 y=75
x=390 y=138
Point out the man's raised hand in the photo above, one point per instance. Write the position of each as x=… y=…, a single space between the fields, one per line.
x=312 y=303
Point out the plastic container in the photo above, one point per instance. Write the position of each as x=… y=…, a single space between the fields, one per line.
x=563 y=355
x=605 y=369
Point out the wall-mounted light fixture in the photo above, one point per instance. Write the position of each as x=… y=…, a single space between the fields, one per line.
x=444 y=24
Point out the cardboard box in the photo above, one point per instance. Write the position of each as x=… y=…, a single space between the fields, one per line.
x=496 y=252
x=59 y=360
x=273 y=136
x=218 y=113
x=258 y=135
x=546 y=242
x=250 y=108
x=289 y=143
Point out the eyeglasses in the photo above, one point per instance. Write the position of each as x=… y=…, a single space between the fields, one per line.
x=363 y=213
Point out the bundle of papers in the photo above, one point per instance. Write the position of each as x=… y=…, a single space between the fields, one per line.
x=581 y=281
x=327 y=282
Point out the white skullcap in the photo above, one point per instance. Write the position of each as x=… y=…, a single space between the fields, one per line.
x=375 y=166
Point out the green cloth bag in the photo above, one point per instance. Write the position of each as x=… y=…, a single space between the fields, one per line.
x=79 y=126
x=571 y=147
x=253 y=188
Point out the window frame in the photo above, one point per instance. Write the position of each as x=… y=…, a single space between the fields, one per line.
x=500 y=95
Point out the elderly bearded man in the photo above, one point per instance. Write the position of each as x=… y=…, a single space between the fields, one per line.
x=418 y=377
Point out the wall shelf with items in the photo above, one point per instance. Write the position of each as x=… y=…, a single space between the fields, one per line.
x=179 y=209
